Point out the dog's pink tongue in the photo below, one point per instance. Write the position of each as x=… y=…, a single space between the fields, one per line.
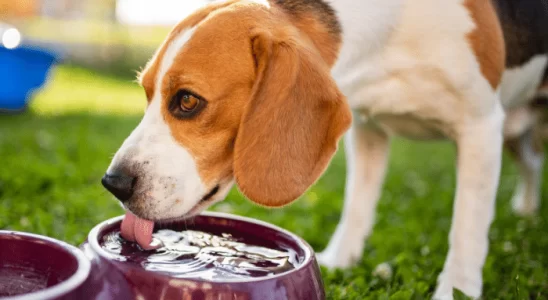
x=138 y=230
x=127 y=228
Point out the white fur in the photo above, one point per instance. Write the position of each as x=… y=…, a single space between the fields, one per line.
x=518 y=121
x=169 y=182
x=408 y=77
x=478 y=168
x=419 y=78
x=519 y=86
x=521 y=83
x=526 y=199
x=366 y=158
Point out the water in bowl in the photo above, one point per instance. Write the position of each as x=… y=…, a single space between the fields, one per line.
x=208 y=256
x=18 y=280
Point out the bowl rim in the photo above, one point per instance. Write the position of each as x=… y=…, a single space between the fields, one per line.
x=301 y=243
x=61 y=289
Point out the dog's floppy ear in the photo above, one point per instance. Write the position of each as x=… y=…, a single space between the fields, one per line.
x=292 y=124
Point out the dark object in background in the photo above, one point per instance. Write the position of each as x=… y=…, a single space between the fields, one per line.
x=23 y=70
x=525 y=27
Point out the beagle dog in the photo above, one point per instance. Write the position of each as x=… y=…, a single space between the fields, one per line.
x=259 y=92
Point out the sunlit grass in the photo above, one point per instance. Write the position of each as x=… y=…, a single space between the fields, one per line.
x=75 y=90
x=90 y=31
x=53 y=156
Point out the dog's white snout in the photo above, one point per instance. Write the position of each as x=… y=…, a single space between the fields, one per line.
x=168 y=184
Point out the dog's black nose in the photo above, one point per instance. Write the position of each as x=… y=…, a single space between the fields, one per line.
x=121 y=186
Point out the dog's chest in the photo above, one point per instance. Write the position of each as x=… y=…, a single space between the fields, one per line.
x=406 y=125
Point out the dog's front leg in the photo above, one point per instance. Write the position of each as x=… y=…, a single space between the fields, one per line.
x=366 y=154
x=479 y=145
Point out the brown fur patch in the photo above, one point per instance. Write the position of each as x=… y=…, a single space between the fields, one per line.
x=291 y=126
x=487 y=40
x=147 y=78
x=222 y=71
x=319 y=21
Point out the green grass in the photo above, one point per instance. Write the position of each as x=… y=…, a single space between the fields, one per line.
x=53 y=157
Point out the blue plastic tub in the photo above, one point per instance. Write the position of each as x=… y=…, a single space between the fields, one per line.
x=22 y=71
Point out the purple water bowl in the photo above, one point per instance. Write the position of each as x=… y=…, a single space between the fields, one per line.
x=302 y=282
x=109 y=276
x=38 y=267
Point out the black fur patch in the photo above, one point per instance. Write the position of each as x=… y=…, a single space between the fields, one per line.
x=540 y=101
x=325 y=13
x=525 y=27
x=210 y=194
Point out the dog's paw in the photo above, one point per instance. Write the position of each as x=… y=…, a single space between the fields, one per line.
x=526 y=200
x=452 y=280
x=525 y=206
x=344 y=250
x=331 y=260
x=453 y=294
x=444 y=291
x=334 y=257
x=443 y=295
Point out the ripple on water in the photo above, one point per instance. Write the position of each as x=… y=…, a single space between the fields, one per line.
x=197 y=254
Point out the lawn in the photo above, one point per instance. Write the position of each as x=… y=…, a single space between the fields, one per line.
x=54 y=155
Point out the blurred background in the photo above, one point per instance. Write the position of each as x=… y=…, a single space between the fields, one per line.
x=116 y=36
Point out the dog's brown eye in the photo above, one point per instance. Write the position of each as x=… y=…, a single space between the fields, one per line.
x=189 y=102
x=186 y=104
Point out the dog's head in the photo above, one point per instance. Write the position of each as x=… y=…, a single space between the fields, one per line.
x=234 y=93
